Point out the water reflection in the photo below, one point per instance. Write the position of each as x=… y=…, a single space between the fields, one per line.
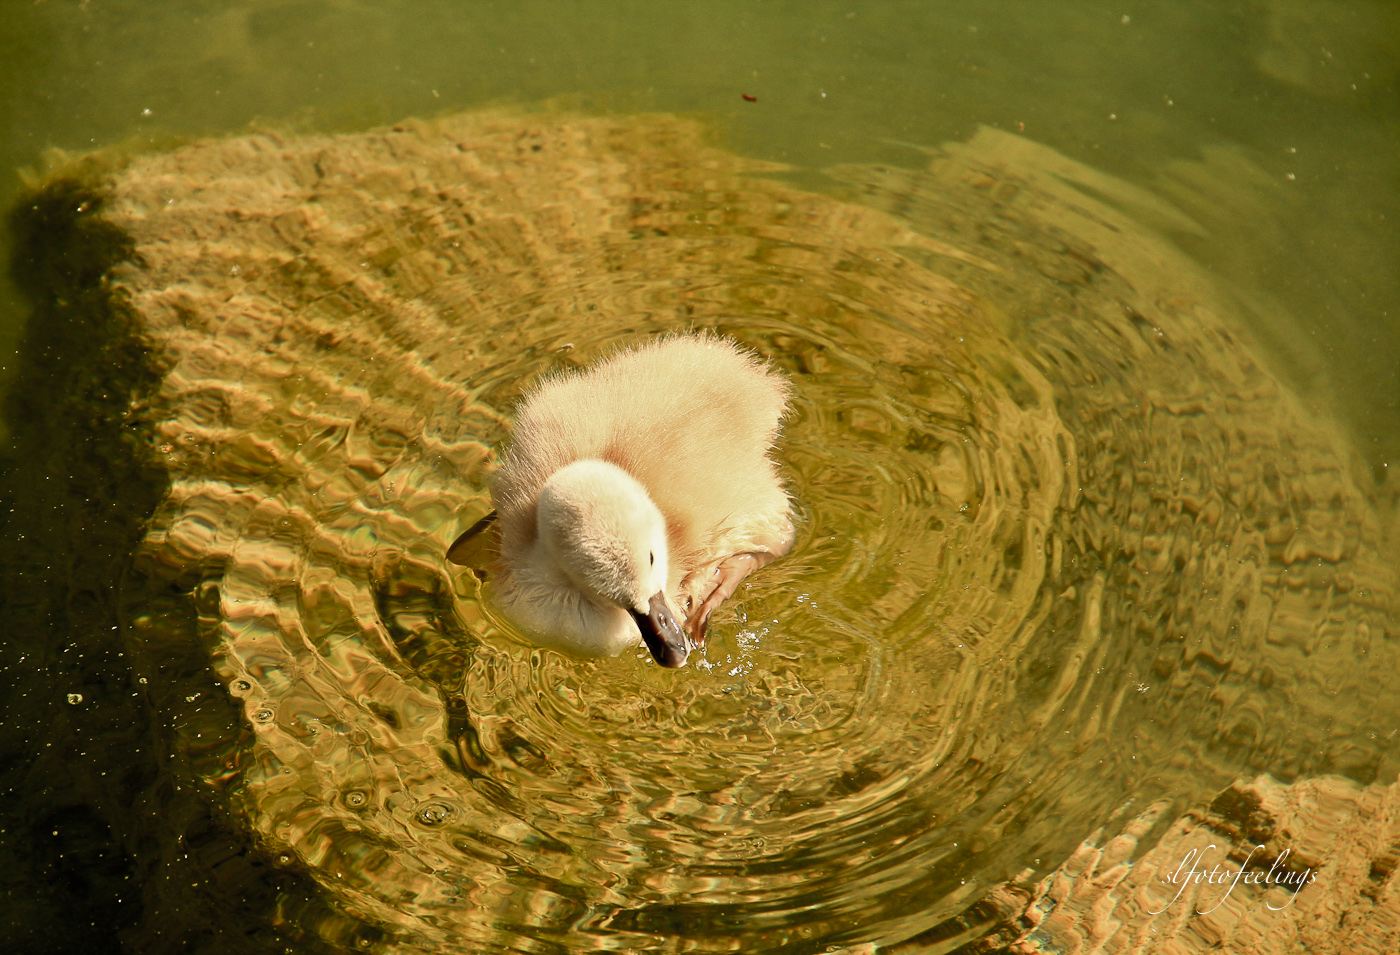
x=1067 y=547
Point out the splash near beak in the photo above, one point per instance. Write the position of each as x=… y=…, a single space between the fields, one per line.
x=663 y=635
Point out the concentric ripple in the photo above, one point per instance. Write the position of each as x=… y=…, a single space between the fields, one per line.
x=1065 y=544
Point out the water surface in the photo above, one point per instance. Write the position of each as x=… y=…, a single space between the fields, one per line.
x=1068 y=545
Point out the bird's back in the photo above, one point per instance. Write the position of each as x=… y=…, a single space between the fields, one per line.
x=691 y=417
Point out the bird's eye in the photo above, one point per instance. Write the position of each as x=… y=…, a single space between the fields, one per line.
x=652 y=555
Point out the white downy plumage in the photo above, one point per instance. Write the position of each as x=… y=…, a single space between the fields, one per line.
x=639 y=488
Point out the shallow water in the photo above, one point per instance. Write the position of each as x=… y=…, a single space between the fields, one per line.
x=1067 y=547
x=1271 y=123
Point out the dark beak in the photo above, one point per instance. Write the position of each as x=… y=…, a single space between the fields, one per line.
x=663 y=635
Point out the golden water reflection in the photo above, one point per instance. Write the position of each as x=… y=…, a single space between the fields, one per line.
x=1066 y=545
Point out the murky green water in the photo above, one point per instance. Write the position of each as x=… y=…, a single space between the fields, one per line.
x=1273 y=124
x=1067 y=547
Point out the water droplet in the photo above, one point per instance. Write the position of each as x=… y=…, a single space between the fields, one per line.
x=242 y=686
x=433 y=814
x=263 y=716
x=356 y=799
x=75 y=698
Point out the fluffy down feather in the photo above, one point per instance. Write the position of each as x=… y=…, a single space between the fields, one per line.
x=691 y=418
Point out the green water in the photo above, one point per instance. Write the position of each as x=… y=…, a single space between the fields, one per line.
x=1270 y=132
x=1275 y=123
